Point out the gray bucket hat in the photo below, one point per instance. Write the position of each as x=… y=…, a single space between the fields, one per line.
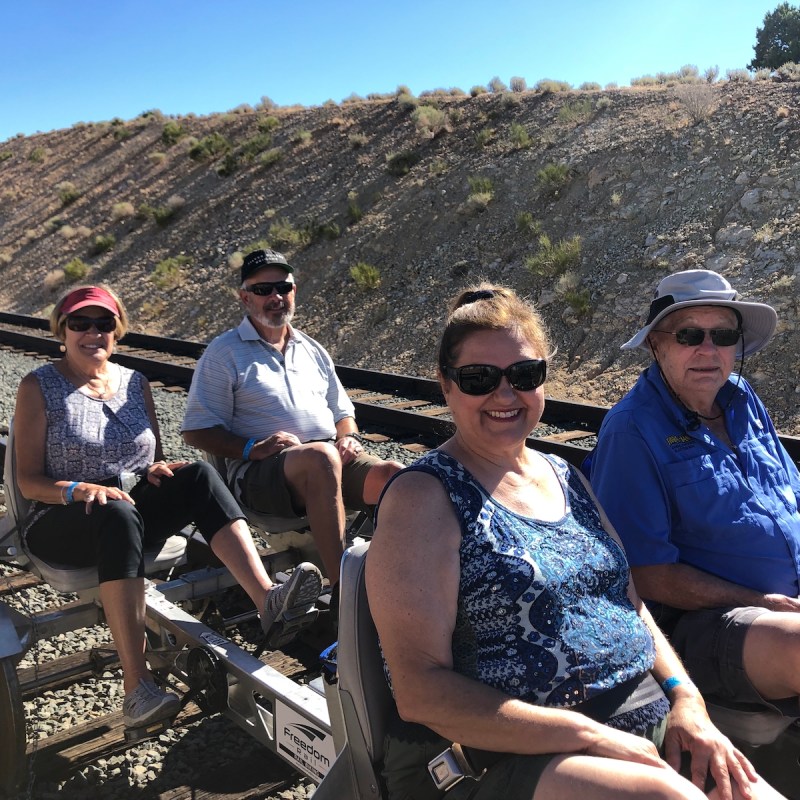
x=702 y=287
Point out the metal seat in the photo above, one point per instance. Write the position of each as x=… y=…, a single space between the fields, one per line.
x=365 y=703
x=61 y=577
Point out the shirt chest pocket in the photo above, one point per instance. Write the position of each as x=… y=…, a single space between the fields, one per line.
x=705 y=496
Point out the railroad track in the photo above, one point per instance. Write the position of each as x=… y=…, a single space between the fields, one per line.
x=399 y=406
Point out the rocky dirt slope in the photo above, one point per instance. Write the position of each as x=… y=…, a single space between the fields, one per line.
x=646 y=186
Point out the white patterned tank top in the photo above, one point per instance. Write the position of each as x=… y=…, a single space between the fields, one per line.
x=90 y=439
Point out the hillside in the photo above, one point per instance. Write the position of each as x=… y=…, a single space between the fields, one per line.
x=646 y=186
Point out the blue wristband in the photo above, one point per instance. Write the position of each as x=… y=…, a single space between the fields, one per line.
x=247 y=448
x=70 y=492
x=670 y=683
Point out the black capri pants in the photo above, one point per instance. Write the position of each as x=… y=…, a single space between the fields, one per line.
x=115 y=536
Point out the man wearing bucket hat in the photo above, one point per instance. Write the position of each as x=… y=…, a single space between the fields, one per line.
x=691 y=472
x=266 y=397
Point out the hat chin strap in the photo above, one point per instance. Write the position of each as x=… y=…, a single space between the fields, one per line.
x=693 y=417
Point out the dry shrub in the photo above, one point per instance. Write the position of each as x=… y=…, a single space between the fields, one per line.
x=54 y=280
x=698 y=100
x=120 y=211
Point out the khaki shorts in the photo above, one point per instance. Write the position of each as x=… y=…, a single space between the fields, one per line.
x=264 y=488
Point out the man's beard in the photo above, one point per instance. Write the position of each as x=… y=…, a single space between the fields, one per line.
x=269 y=320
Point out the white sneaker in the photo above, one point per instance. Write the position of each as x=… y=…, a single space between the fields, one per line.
x=147 y=703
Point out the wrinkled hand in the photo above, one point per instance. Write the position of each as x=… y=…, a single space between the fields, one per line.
x=624 y=746
x=780 y=602
x=91 y=493
x=349 y=449
x=273 y=444
x=162 y=469
x=690 y=729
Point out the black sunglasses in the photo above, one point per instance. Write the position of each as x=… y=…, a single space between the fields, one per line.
x=692 y=337
x=477 y=379
x=265 y=289
x=82 y=324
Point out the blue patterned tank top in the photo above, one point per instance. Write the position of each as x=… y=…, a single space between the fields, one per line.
x=90 y=439
x=543 y=612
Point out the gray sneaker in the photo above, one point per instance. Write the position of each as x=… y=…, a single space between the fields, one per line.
x=148 y=703
x=290 y=606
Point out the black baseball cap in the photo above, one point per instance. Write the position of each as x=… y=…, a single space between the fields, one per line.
x=263 y=258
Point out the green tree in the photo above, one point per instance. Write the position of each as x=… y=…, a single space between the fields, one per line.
x=779 y=40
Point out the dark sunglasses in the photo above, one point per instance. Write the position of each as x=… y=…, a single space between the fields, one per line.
x=265 y=289
x=477 y=379
x=82 y=324
x=691 y=337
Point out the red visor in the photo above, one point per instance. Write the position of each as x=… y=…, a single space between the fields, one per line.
x=89 y=296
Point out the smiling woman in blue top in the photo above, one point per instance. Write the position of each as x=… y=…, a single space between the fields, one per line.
x=690 y=471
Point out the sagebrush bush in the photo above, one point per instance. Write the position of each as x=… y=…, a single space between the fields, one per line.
x=698 y=100
x=68 y=193
x=519 y=136
x=579 y=300
x=357 y=140
x=270 y=157
x=168 y=274
x=476 y=90
x=407 y=101
x=54 y=280
x=549 y=86
x=711 y=74
x=577 y=112
x=552 y=177
x=103 y=243
x=590 y=86
x=496 y=86
x=399 y=164
x=738 y=76
x=5 y=155
x=789 y=72
x=254 y=146
x=354 y=212
x=484 y=136
x=76 y=270
x=518 y=84
x=554 y=259
x=282 y=234
x=37 y=155
x=480 y=184
x=366 y=276
x=120 y=211
x=429 y=121
x=527 y=224
x=301 y=137
x=268 y=124
x=210 y=147
x=172 y=132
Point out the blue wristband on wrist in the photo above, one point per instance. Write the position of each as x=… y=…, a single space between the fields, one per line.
x=249 y=444
x=670 y=683
x=69 y=493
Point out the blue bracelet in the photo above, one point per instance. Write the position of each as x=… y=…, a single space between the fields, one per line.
x=70 y=492
x=247 y=448
x=670 y=683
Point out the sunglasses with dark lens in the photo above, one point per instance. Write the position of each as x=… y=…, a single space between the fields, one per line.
x=265 y=289
x=82 y=324
x=691 y=337
x=477 y=379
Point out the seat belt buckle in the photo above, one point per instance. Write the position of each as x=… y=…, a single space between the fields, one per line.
x=450 y=767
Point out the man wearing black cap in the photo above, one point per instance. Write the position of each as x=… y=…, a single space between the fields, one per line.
x=266 y=397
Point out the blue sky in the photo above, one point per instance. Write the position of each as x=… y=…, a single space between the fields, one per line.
x=67 y=61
